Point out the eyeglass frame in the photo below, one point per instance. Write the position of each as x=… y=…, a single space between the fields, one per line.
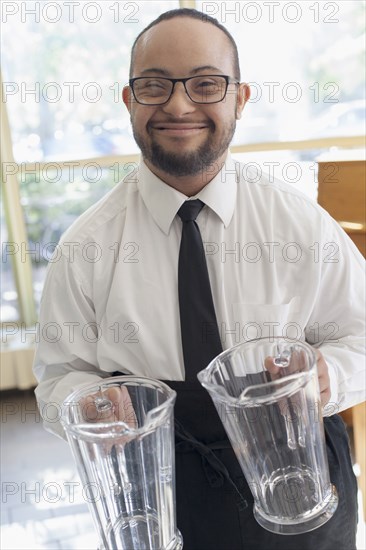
x=228 y=80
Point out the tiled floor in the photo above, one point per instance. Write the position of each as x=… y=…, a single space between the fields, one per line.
x=42 y=504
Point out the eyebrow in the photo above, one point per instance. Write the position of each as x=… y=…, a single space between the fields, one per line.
x=196 y=70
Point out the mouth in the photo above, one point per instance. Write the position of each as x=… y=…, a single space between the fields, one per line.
x=182 y=129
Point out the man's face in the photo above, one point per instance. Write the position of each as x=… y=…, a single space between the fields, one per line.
x=182 y=138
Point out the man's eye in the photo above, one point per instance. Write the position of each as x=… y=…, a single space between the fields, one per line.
x=154 y=84
x=208 y=83
x=207 y=86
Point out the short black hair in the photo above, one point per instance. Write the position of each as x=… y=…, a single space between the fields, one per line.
x=193 y=14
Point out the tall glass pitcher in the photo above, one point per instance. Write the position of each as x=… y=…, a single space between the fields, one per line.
x=267 y=395
x=121 y=433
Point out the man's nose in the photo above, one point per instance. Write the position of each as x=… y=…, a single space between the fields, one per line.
x=179 y=103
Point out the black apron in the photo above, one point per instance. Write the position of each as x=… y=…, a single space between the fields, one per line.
x=214 y=503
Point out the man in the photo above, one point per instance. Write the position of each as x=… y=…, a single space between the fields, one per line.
x=127 y=312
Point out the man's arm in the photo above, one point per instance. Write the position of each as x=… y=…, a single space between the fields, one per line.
x=66 y=353
x=337 y=325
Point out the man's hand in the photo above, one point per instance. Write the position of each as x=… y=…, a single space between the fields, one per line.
x=323 y=375
x=323 y=378
x=121 y=408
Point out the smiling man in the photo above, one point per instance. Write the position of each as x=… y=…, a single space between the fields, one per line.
x=184 y=126
x=259 y=273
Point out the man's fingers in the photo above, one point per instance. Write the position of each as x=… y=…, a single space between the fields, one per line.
x=122 y=404
x=272 y=368
x=91 y=413
x=121 y=408
x=323 y=378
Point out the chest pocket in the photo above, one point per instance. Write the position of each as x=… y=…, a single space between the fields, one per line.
x=268 y=320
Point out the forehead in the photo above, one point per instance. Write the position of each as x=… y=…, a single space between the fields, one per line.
x=179 y=45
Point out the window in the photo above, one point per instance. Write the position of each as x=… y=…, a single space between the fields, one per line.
x=64 y=74
x=305 y=62
x=9 y=296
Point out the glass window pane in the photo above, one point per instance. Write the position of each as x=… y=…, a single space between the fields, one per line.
x=64 y=68
x=305 y=62
x=9 y=297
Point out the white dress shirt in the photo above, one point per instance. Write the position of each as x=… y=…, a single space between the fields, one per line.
x=278 y=264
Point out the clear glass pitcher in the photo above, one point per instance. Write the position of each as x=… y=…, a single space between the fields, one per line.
x=267 y=395
x=121 y=433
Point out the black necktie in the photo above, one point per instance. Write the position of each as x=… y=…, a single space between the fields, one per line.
x=200 y=335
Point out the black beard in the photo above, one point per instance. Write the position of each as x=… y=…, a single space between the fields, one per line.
x=186 y=164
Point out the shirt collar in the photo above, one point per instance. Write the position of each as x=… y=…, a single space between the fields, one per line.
x=163 y=201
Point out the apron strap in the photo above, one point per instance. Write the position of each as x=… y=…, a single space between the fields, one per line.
x=215 y=471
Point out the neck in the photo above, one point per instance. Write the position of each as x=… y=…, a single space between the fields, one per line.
x=189 y=185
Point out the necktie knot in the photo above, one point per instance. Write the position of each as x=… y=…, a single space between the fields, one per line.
x=189 y=210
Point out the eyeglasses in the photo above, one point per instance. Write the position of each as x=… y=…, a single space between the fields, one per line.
x=156 y=90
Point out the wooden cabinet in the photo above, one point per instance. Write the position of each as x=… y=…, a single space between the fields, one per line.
x=342 y=192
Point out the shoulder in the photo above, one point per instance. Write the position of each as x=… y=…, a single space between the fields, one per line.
x=272 y=195
x=105 y=217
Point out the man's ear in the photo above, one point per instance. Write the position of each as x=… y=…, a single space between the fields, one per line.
x=127 y=96
x=242 y=97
